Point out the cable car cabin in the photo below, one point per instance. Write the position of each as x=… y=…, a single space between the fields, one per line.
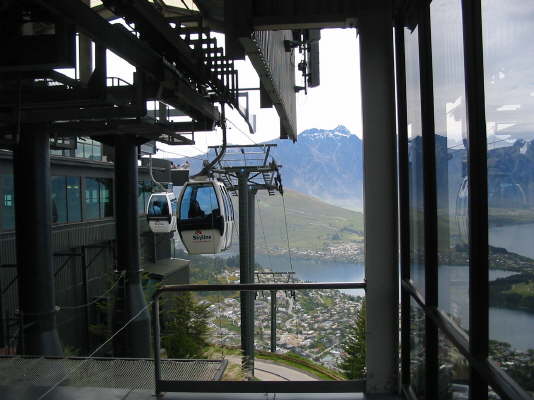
x=161 y=212
x=206 y=218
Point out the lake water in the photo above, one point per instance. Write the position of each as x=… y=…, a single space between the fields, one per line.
x=514 y=327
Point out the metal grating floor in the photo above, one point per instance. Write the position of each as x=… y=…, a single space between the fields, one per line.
x=132 y=374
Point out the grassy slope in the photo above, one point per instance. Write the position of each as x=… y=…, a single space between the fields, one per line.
x=311 y=222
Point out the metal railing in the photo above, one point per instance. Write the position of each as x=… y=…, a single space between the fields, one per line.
x=161 y=385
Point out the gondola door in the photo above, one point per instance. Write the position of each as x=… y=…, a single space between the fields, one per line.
x=201 y=222
x=161 y=212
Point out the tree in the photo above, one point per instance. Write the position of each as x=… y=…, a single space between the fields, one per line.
x=352 y=362
x=186 y=326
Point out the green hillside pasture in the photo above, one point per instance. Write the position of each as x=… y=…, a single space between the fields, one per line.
x=312 y=224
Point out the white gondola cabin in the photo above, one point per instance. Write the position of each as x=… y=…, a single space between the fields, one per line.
x=206 y=217
x=161 y=212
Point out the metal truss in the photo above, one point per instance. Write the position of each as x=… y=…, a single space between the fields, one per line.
x=255 y=160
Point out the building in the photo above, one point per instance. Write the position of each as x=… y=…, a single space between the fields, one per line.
x=441 y=80
x=83 y=243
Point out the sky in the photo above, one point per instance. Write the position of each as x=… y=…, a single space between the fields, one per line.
x=336 y=101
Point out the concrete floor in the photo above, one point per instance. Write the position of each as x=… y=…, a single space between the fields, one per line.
x=87 y=393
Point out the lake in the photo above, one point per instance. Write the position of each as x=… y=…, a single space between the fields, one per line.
x=514 y=327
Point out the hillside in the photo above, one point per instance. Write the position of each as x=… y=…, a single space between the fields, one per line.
x=312 y=223
x=326 y=164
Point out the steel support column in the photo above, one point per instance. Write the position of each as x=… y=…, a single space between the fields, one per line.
x=380 y=188
x=85 y=283
x=247 y=298
x=135 y=341
x=273 y=321
x=430 y=201
x=404 y=200
x=478 y=199
x=252 y=229
x=37 y=300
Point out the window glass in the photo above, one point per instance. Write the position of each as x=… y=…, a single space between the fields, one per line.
x=74 y=201
x=508 y=32
x=148 y=192
x=8 y=202
x=453 y=371
x=87 y=151
x=106 y=197
x=451 y=158
x=199 y=201
x=92 y=210
x=97 y=150
x=417 y=349
x=79 y=148
x=186 y=201
x=58 y=190
x=158 y=206
x=415 y=155
x=207 y=199
x=140 y=197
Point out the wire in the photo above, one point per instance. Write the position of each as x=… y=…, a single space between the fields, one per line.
x=95 y=351
x=243 y=133
x=98 y=298
x=287 y=234
x=181 y=155
x=263 y=232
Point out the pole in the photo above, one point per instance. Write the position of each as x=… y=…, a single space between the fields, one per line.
x=273 y=321
x=247 y=298
x=35 y=269
x=135 y=341
x=380 y=201
x=85 y=283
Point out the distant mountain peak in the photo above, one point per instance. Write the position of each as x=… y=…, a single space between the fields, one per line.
x=340 y=130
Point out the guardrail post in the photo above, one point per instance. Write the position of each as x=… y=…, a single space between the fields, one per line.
x=156 y=337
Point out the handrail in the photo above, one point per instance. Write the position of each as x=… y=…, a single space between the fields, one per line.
x=252 y=386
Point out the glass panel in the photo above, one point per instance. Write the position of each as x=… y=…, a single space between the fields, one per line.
x=97 y=150
x=79 y=149
x=74 y=201
x=207 y=200
x=148 y=192
x=508 y=29
x=106 y=197
x=87 y=151
x=415 y=154
x=91 y=198
x=8 y=203
x=199 y=201
x=451 y=161
x=417 y=349
x=58 y=191
x=158 y=206
x=453 y=371
x=140 y=197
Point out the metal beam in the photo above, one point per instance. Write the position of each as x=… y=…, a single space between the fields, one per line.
x=478 y=199
x=134 y=341
x=37 y=300
x=247 y=298
x=404 y=200
x=380 y=201
x=119 y=40
x=430 y=200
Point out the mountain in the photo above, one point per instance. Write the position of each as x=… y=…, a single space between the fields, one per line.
x=326 y=164
x=312 y=224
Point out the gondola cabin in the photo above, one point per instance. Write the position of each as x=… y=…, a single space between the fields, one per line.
x=161 y=212
x=206 y=217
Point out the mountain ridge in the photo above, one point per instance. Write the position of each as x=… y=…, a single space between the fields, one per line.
x=324 y=163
